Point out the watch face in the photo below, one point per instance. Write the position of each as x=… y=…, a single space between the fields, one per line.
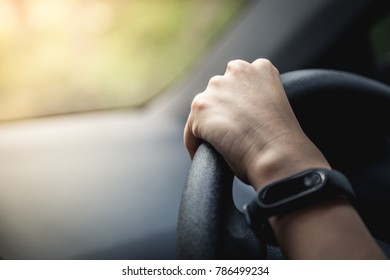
x=297 y=185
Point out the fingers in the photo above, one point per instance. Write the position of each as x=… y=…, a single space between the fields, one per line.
x=191 y=142
x=192 y=135
x=220 y=100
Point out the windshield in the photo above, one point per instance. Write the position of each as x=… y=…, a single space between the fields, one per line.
x=64 y=56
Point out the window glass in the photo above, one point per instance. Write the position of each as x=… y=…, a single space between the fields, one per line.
x=63 y=56
x=380 y=44
x=380 y=38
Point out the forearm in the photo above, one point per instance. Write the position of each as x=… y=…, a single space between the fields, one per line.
x=329 y=230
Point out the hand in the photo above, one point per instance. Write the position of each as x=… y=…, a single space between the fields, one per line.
x=246 y=116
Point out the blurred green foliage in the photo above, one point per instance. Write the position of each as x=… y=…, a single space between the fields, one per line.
x=63 y=56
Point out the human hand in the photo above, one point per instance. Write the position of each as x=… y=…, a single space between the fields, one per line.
x=246 y=116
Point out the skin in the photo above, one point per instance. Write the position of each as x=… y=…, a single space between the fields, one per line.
x=246 y=116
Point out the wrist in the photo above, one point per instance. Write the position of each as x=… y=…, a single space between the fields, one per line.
x=280 y=161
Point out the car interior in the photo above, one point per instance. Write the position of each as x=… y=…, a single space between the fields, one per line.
x=108 y=184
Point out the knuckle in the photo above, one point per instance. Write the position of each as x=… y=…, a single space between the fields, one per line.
x=236 y=65
x=216 y=81
x=198 y=103
x=275 y=70
x=266 y=65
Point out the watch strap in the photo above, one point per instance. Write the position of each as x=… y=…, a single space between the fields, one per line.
x=258 y=211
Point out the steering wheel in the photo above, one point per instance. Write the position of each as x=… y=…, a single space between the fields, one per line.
x=347 y=116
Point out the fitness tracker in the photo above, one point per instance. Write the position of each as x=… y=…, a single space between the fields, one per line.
x=293 y=193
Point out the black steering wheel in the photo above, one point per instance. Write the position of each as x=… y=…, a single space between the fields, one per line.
x=347 y=116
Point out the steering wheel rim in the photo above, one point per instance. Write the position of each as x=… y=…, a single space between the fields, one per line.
x=210 y=226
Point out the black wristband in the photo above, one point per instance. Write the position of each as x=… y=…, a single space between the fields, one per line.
x=293 y=193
